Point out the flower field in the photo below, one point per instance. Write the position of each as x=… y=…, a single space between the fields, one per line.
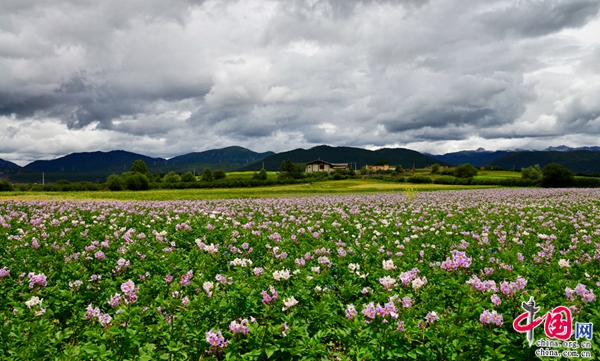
x=413 y=276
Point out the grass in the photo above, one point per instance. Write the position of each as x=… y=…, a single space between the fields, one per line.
x=350 y=186
x=498 y=174
x=249 y=175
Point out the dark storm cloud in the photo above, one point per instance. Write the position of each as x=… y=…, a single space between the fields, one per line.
x=537 y=18
x=159 y=76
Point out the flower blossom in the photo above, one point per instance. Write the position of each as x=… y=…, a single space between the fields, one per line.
x=208 y=286
x=4 y=272
x=239 y=327
x=216 y=339
x=34 y=301
x=418 y=282
x=350 y=312
x=488 y=317
x=283 y=274
x=38 y=280
x=387 y=282
x=241 y=262
x=388 y=265
x=564 y=263
x=268 y=299
x=431 y=317
x=289 y=302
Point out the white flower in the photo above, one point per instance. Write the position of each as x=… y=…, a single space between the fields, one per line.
x=289 y=303
x=354 y=267
x=278 y=275
x=241 y=262
x=387 y=282
x=388 y=265
x=418 y=283
x=362 y=275
x=316 y=269
x=34 y=301
x=212 y=249
x=564 y=263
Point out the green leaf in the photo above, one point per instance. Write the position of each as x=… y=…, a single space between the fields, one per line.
x=270 y=351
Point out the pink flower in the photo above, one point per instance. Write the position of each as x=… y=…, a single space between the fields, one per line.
x=431 y=317
x=496 y=300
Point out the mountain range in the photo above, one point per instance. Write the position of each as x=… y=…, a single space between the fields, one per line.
x=96 y=166
x=355 y=157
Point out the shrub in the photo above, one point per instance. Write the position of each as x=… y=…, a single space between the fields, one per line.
x=207 y=175
x=172 y=177
x=557 y=175
x=417 y=178
x=115 y=183
x=136 y=182
x=586 y=182
x=533 y=172
x=188 y=177
x=445 y=179
x=435 y=168
x=220 y=174
x=6 y=186
x=465 y=171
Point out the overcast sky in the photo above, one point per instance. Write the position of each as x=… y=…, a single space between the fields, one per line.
x=169 y=77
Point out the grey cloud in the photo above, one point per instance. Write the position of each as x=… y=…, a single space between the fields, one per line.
x=158 y=76
x=534 y=18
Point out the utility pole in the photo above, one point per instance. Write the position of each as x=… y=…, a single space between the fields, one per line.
x=43 y=180
x=263 y=165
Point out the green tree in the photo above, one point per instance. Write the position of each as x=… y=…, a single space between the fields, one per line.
x=382 y=162
x=6 y=186
x=465 y=171
x=219 y=174
x=140 y=167
x=188 y=177
x=136 y=181
x=207 y=175
x=115 y=183
x=172 y=177
x=435 y=168
x=289 y=170
x=532 y=172
x=262 y=175
x=557 y=175
x=287 y=166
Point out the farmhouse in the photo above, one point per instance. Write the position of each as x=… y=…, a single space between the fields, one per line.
x=323 y=166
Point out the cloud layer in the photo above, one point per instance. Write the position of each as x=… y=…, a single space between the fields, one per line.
x=167 y=78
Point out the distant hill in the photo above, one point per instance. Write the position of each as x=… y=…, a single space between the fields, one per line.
x=474 y=157
x=583 y=161
x=357 y=156
x=97 y=166
x=115 y=161
x=234 y=155
x=4 y=164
